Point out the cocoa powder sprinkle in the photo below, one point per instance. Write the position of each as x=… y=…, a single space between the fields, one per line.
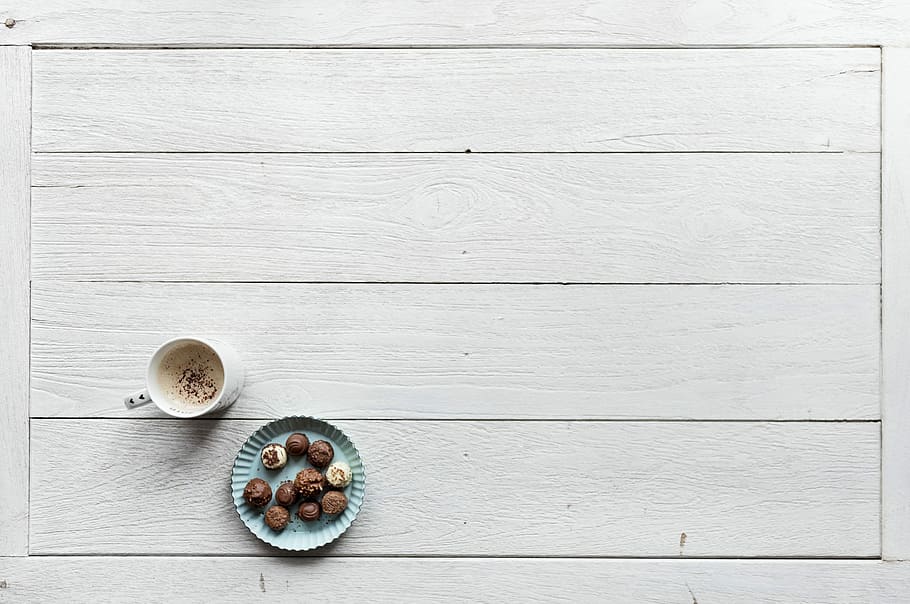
x=195 y=384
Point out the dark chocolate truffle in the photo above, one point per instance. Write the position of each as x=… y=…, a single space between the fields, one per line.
x=297 y=444
x=274 y=456
x=321 y=454
x=309 y=483
x=277 y=517
x=334 y=502
x=309 y=511
x=286 y=494
x=257 y=492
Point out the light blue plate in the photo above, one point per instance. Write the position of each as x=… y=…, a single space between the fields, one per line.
x=299 y=535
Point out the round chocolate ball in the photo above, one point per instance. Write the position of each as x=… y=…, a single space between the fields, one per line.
x=339 y=475
x=257 y=492
x=274 y=456
x=286 y=494
x=309 y=511
x=297 y=444
x=277 y=517
x=309 y=483
x=320 y=453
x=334 y=502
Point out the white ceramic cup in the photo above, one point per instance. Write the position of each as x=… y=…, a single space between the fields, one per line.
x=154 y=392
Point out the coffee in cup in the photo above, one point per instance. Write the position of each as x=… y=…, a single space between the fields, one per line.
x=189 y=377
x=191 y=374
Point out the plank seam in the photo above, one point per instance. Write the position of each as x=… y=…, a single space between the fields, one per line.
x=466 y=152
x=528 y=283
x=516 y=419
x=881 y=303
x=528 y=46
x=458 y=556
x=15 y=197
x=895 y=516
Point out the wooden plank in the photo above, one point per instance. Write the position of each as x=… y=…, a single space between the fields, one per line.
x=458 y=217
x=436 y=22
x=453 y=100
x=610 y=488
x=896 y=306
x=15 y=76
x=165 y=579
x=474 y=351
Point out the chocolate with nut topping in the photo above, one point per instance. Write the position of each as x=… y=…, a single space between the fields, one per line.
x=309 y=483
x=334 y=502
x=277 y=517
x=320 y=453
x=257 y=492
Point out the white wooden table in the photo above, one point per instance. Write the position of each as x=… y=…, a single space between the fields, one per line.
x=628 y=283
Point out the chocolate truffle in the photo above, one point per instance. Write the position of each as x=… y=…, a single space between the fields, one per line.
x=339 y=475
x=277 y=517
x=320 y=454
x=297 y=444
x=309 y=511
x=274 y=456
x=309 y=483
x=257 y=492
x=334 y=502
x=286 y=494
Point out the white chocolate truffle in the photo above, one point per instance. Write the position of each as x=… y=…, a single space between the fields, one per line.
x=339 y=474
x=274 y=456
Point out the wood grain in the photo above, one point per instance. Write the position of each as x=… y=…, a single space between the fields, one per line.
x=896 y=307
x=479 y=488
x=458 y=217
x=156 y=579
x=452 y=100
x=420 y=22
x=15 y=75
x=474 y=351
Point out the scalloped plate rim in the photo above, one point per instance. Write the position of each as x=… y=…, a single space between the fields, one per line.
x=293 y=418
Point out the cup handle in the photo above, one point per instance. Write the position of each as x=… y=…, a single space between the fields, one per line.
x=137 y=399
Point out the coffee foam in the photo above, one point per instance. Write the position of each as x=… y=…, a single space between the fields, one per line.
x=191 y=375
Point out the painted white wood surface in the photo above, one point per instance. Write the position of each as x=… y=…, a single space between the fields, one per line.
x=896 y=306
x=15 y=76
x=479 y=488
x=473 y=351
x=457 y=99
x=157 y=579
x=636 y=217
x=470 y=351
x=417 y=22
